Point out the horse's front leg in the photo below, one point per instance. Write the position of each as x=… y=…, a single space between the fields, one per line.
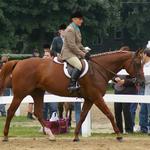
x=85 y=109
x=103 y=107
x=38 y=112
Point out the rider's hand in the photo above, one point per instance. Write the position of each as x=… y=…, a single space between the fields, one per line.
x=87 y=56
x=87 y=49
x=119 y=81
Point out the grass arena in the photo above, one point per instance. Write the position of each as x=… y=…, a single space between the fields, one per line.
x=25 y=135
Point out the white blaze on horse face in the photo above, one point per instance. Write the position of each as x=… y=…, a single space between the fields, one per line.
x=142 y=58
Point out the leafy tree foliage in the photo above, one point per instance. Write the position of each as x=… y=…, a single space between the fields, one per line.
x=136 y=22
x=28 y=24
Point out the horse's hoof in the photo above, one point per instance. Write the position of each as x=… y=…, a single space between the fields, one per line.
x=52 y=138
x=5 y=139
x=119 y=138
x=76 y=140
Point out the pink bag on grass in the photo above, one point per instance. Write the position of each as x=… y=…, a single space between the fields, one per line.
x=63 y=125
x=53 y=125
x=57 y=125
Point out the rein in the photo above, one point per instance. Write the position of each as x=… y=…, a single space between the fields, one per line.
x=107 y=68
x=103 y=67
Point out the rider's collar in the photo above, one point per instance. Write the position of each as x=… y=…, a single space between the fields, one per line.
x=75 y=26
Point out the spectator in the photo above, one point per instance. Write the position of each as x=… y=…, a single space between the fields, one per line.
x=56 y=47
x=124 y=85
x=58 y=41
x=31 y=105
x=49 y=108
x=133 y=107
x=36 y=53
x=145 y=107
x=46 y=48
x=77 y=109
x=142 y=114
x=6 y=92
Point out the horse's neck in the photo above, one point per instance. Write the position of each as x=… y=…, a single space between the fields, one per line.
x=111 y=63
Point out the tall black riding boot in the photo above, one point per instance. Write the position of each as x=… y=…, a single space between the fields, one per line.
x=74 y=77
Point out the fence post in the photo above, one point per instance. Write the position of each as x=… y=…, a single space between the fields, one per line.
x=86 y=126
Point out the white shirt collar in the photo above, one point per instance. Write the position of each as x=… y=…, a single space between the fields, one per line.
x=147 y=64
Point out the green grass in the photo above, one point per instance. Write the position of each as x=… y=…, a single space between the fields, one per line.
x=23 y=127
x=110 y=90
x=19 y=127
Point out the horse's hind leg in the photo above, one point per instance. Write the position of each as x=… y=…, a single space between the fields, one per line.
x=103 y=107
x=10 y=113
x=85 y=109
x=38 y=96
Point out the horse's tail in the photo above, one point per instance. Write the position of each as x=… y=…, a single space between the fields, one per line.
x=5 y=73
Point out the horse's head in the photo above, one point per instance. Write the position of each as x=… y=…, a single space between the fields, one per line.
x=134 y=65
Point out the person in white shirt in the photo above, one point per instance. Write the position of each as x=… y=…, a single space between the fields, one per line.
x=145 y=107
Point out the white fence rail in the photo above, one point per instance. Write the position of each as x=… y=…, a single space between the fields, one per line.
x=107 y=98
x=86 y=127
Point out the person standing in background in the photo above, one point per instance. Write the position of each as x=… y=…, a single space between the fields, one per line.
x=6 y=92
x=46 y=49
x=145 y=107
x=124 y=85
x=57 y=42
x=50 y=107
x=56 y=47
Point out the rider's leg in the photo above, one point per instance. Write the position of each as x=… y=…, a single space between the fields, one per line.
x=75 y=62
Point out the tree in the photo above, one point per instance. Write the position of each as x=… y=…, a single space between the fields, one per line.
x=136 y=22
x=29 y=24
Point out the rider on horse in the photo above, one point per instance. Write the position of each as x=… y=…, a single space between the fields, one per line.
x=73 y=50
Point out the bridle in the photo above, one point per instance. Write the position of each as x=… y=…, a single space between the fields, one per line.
x=137 y=67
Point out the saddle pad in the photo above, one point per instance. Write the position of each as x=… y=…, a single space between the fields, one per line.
x=66 y=70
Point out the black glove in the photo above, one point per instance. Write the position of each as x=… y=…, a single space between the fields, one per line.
x=87 y=56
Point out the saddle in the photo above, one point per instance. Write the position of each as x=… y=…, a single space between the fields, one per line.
x=68 y=68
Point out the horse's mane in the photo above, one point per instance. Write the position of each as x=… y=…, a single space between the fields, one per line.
x=108 y=53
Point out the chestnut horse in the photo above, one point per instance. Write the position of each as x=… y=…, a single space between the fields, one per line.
x=34 y=76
